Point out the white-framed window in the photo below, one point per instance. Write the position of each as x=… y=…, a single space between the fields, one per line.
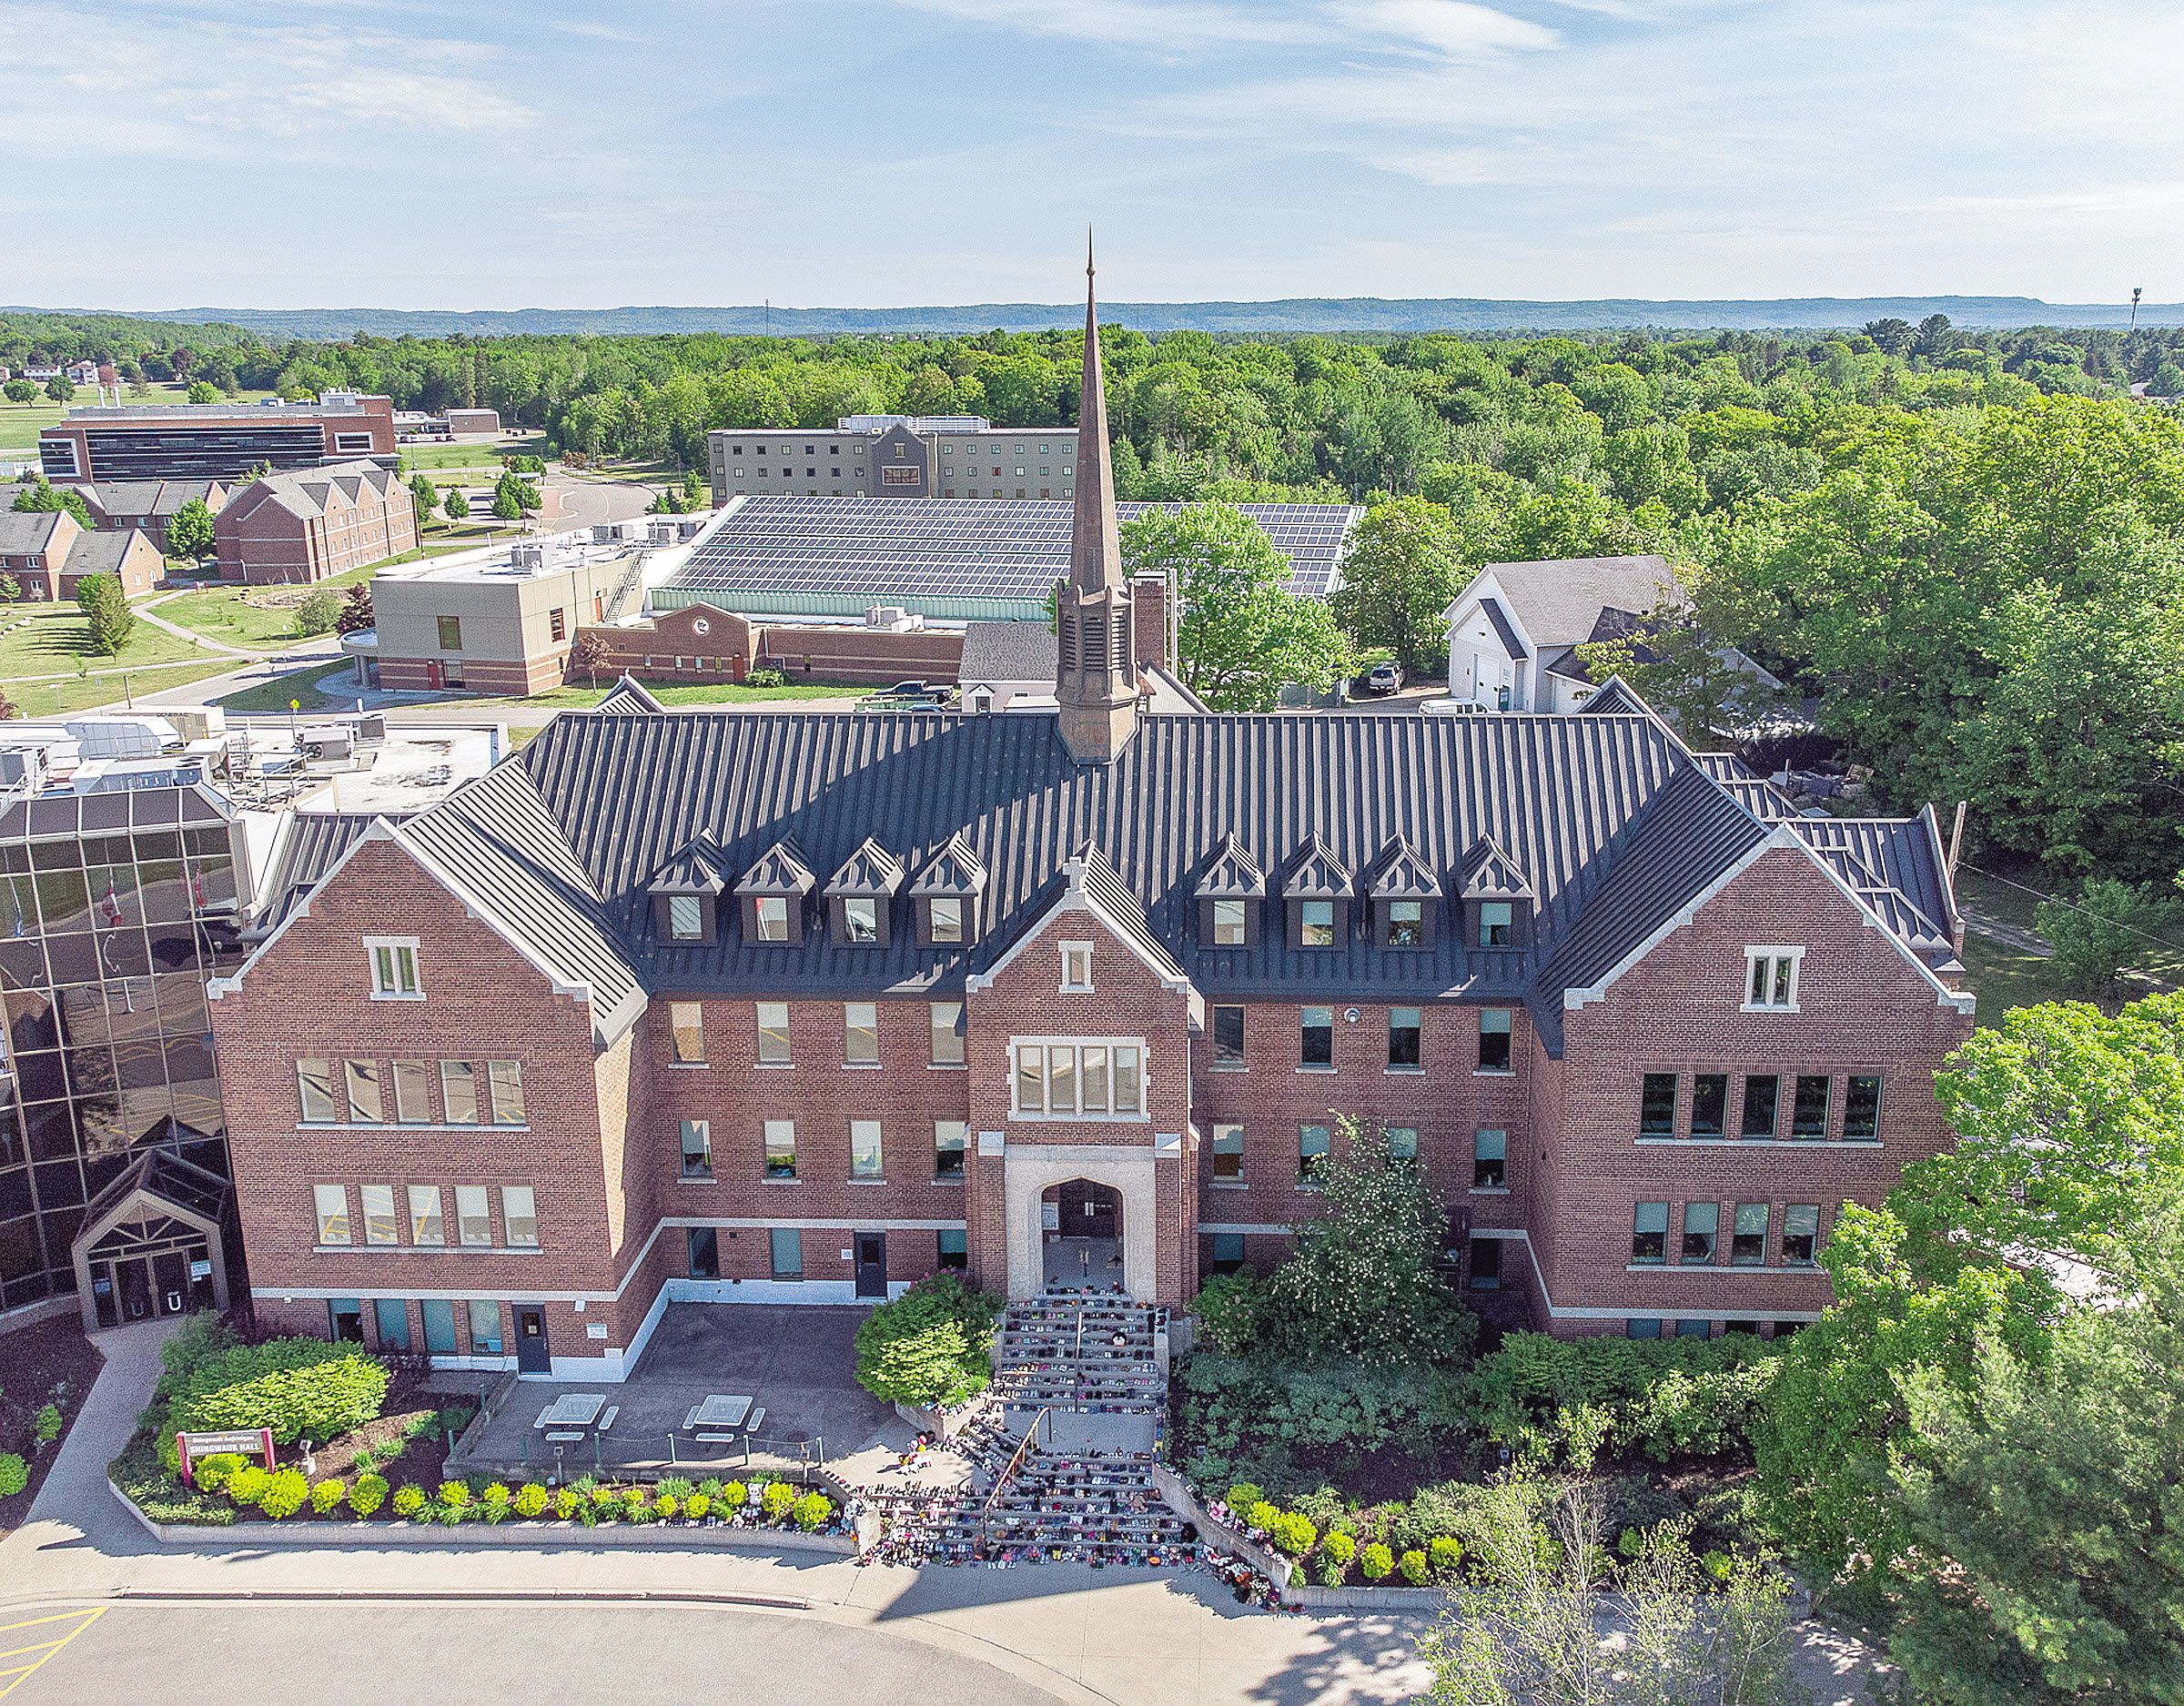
x=314 y=1090
x=393 y=968
x=1077 y=968
x=331 y=1203
x=951 y=1142
x=1078 y=1077
x=947 y=1033
x=860 y=1034
x=504 y=1085
x=1229 y=1155
x=520 y=1217
x=1771 y=979
x=379 y=1224
x=697 y=1149
x=473 y=1216
x=686 y=918
x=425 y=1227
x=780 y=1148
x=863 y=1148
x=774 y=1033
x=686 y=1022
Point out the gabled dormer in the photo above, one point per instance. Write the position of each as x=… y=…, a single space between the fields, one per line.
x=1315 y=887
x=1405 y=896
x=1497 y=897
x=686 y=896
x=771 y=893
x=1231 y=891
x=945 y=896
x=860 y=896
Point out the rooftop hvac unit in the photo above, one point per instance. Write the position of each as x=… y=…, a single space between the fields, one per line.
x=23 y=767
x=660 y=533
x=371 y=730
x=325 y=745
x=529 y=557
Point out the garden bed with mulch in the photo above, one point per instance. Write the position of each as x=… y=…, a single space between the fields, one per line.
x=49 y=1362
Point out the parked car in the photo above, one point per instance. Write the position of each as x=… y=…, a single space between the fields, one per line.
x=932 y=692
x=1384 y=677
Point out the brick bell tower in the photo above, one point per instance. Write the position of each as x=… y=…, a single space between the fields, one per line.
x=1096 y=678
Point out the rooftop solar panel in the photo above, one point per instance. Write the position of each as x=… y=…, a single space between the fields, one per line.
x=929 y=552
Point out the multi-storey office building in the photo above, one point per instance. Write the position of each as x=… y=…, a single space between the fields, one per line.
x=220 y=441
x=894 y=456
x=719 y=1006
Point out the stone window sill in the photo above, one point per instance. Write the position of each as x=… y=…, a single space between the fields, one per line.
x=1490 y=1190
x=780 y=1179
x=948 y=1065
x=1405 y=1072
x=1316 y=1068
x=1229 y=1184
x=688 y=1066
x=1493 y=1072
x=697 y=1178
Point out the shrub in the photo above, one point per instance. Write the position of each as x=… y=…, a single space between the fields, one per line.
x=813 y=1511
x=409 y=1500
x=1294 y=1534
x=675 y=1487
x=602 y=1496
x=455 y=1495
x=567 y=1502
x=327 y=1494
x=1375 y=1562
x=46 y=1426
x=496 y=1493
x=211 y=1473
x=776 y=1501
x=15 y=1474
x=1413 y=1566
x=765 y=677
x=1231 y=1308
x=284 y=1493
x=696 y=1506
x=931 y=1345
x=1444 y=1553
x=1339 y=1547
x=299 y=1387
x=636 y=1509
x=447 y=1516
x=1243 y=1496
x=711 y=1487
x=668 y=1506
x=1718 y=1565
x=1262 y=1516
x=248 y=1484
x=735 y=1496
x=1326 y=1571
x=530 y=1500
x=367 y=1493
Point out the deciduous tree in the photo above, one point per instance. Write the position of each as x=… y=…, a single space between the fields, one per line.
x=190 y=533
x=1399 y=575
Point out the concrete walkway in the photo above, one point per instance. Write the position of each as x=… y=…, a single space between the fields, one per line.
x=74 y=1498
x=152 y=616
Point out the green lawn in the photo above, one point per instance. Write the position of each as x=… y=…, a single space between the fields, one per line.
x=483 y=453
x=20 y=422
x=55 y=698
x=55 y=644
x=2004 y=977
x=534 y=711
x=228 y=615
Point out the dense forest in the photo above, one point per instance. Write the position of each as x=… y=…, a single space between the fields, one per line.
x=1963 y=552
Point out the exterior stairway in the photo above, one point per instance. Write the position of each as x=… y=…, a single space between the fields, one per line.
x=1075 y=1375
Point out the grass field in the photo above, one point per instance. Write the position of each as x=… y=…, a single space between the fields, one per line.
x=20 y=422
x=530 y=713
x=2004 y=976
x=58 y=699
x=59 y=644
x=485 y=453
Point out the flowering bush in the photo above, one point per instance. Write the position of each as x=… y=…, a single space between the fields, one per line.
x=327 y=1494
x=211 y=1473
x=813 y=1511
x=1376 y=1561
x=530 y=1500
x=668 y=1506
x=15 y=1474
x=367 y=1493
x=1444 y=1553
x=697 y=1506
x=284 y=1493
x=409 y=1500
x=1413 y=1566
x=456 y=1495
x=567 y=1502
x=777 y=1500
x=248 y=1484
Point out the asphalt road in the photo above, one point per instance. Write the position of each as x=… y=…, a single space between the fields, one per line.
x=355 y=1652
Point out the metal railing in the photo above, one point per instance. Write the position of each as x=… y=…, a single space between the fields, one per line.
x=656 y=1454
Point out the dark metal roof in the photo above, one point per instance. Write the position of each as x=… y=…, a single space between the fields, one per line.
x=312 y=845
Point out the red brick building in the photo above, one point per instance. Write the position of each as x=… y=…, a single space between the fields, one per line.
x=314 y=524
x=764 y=1005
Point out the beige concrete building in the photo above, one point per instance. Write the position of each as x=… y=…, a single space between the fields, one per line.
x=895 y=456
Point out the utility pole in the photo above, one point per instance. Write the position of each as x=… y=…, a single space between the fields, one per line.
x=2137 y=291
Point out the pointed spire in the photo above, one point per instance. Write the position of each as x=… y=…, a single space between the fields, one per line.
x=1095 y=549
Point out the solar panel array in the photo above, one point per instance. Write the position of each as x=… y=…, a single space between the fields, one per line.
x=893 y=550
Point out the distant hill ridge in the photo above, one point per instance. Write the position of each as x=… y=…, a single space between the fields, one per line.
x=1293 y=314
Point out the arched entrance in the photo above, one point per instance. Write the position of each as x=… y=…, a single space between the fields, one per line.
x=1081 y=1235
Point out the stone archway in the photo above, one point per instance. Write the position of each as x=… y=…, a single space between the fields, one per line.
x=1121 y=1179
x=1081 y=1222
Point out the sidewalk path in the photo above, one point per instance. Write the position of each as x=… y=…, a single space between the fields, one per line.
x=152 y=616
x=75 y=1495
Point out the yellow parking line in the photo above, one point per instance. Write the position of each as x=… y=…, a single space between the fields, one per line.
x=56 y=1616
x=15 y=1676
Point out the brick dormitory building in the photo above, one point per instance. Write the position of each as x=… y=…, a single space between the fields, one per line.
x=793 y=1005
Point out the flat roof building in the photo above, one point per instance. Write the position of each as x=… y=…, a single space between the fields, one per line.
x=894 y=456
x=216 y=440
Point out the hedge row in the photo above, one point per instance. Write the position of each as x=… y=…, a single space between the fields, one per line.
x=301 y=1388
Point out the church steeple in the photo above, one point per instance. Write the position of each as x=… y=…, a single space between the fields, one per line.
x=1097 y=684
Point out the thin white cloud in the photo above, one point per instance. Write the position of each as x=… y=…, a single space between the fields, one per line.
x=1155 y=26
x=1443 y=26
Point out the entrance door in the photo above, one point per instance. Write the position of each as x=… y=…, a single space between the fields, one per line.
x=531 y=1355
x=434 y=675
x=872 y=1264
x=170 y=1282
x=135 y=1281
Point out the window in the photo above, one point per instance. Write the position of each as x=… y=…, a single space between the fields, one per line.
x=1694 y=1329
x=379 y=1214
x=459 y=1092
x=955 y=1249
x=393 y=967
x=1494 y=1028
x=451 y=673
x=425 y=1225
x=1761 y=1094
x=504 y=1085
x=473 y=1216
x=1808 y=1109
x=1702 y=1223
x=557 y=624
x=450 y=633
x=697 y=1148
x=1402 y=1038
x=686 y=1024
x=1862 y=1108
x=439 y=1316
x=947 y=1033
x=1228 y=1253
x=701 y=1253
x=860 y=1034
x=860 y=918
x=413 y=1092
x=485 y=1328
x=781 y=1149
x=1403 y=1141
x=1748 y=1235
x=1228 y=923
x=1497 y=924
x=1490 y=1160
x=787 y=1250
x=1657 y=1105
x=1771 y=979
x=1227 y=1155
x=315 y=1087
x=361 y=1078
x=1800 y=1233
x=1709 y=1103
x=1092 y=1078
x=1313 y=1145
x=1316 y=923
x=391 y=1317
x=1316 y=1038
x=772 y=912
x=943 y=919
x=1643 y=1327
x=686 y=918
x=1406 y=925
x=520 y=1217
x=951 y=1138
x=331 y=1202
x=1077 y=968
x=772 y=1033
x=863 y=1148
x=1229 y=1039
x=1648 y=1234
x=1486 y=1264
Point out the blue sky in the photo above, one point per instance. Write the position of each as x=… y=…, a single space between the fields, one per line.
x=414 y=154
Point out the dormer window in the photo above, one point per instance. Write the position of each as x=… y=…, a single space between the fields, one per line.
x=859 y=896
x=772 y=914
x=861 y=920
x=1406 y=925
x=945 y=896
x=773 y=894
x=1229 y=924
x=1497 y=924
x=1229 y=893
x=685 y=918
x=1404 y=890
x=1497 y=898
x=1316 y=924
x=1317 y=889
x=686 y=894
x=944 y=920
